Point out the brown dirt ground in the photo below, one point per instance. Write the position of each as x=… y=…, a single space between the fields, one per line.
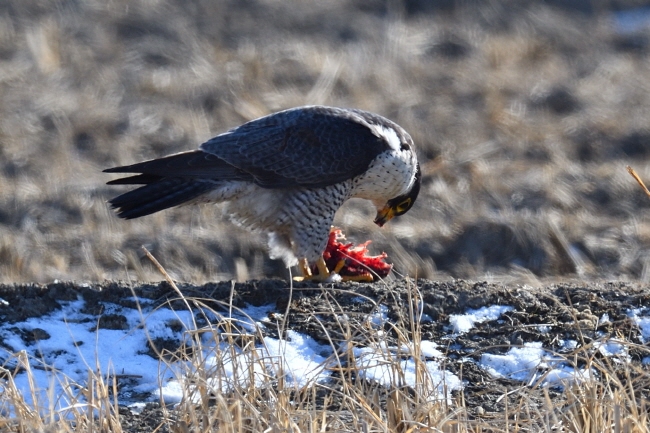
x=525 y=114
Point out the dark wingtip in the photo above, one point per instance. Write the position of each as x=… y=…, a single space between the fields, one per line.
x=120 y=169
x=138 y=179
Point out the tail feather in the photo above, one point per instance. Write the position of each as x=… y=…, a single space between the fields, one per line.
x=159 y=195
x=140 y=179
x=170 y=181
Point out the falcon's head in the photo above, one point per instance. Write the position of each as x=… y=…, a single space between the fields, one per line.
x=400 y=204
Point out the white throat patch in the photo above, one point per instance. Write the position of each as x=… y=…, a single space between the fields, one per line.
x=389 y=135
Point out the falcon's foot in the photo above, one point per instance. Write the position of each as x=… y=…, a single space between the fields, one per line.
x=324 y=275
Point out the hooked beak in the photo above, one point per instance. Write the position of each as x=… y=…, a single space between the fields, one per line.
x=384 y=215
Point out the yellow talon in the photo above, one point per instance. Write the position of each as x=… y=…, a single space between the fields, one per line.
x=322 y=267
x=323 y=272
x=304 y=269
x=363 y=278
x=339 y=266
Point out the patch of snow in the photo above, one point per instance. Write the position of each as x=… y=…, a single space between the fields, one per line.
x=613 y=348
x=462 y=323
x=568 y=345
x=430 y=349
x=75 y=346
x=380 y=317
x=643 y=322
x=385 y=368
x=518 y=363
x=531 y=364
x=300 y=357
x=299 y=360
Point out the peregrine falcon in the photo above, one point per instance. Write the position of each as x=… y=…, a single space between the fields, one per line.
x=286 y=175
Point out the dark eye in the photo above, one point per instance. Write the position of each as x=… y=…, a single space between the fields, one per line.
x=403 y=206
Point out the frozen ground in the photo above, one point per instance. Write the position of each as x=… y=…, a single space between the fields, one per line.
x=480 y=339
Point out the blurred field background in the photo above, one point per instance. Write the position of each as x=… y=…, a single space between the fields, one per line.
x=525 y=113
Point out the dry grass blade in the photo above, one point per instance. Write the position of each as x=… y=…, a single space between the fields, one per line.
x=634 y=174
x=91 y=407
